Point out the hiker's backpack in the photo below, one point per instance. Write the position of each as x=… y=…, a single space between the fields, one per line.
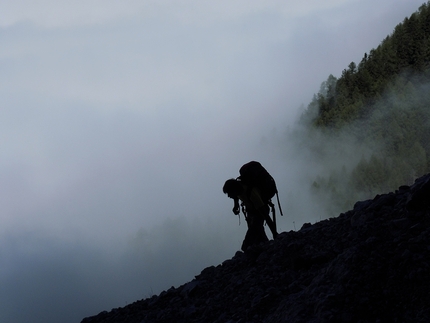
x=255 y=175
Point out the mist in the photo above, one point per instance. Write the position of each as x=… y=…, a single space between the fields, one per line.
x=119 y=126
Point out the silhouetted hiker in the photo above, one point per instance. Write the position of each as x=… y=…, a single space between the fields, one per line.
x=254 y=188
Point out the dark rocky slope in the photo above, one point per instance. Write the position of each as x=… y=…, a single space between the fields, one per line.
x=370 y=264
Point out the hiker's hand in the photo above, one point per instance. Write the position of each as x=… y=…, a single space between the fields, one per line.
x=236 y=207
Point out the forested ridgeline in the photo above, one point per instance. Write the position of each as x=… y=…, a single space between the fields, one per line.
x=374 y=120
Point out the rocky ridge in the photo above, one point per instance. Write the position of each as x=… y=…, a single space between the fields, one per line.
x=370 y=264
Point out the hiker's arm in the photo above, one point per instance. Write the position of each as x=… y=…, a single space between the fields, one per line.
x=236 y=207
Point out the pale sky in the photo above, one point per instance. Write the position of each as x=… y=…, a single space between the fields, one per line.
x=121 y=120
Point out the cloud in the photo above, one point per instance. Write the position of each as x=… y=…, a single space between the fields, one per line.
x=46 y=280
x=63 y=13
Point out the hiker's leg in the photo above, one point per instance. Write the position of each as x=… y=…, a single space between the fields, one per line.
x=255 y=233
x=254 y=237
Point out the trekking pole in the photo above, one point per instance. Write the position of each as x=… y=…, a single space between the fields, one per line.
x=272 y=222
x=279 y=203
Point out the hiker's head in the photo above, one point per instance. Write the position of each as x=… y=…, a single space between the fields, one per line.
x=232 y=188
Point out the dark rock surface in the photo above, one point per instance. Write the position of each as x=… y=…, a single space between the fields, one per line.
x=370 y=264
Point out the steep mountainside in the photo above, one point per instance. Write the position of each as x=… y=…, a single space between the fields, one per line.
x=373 y=122
x=370 y=264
